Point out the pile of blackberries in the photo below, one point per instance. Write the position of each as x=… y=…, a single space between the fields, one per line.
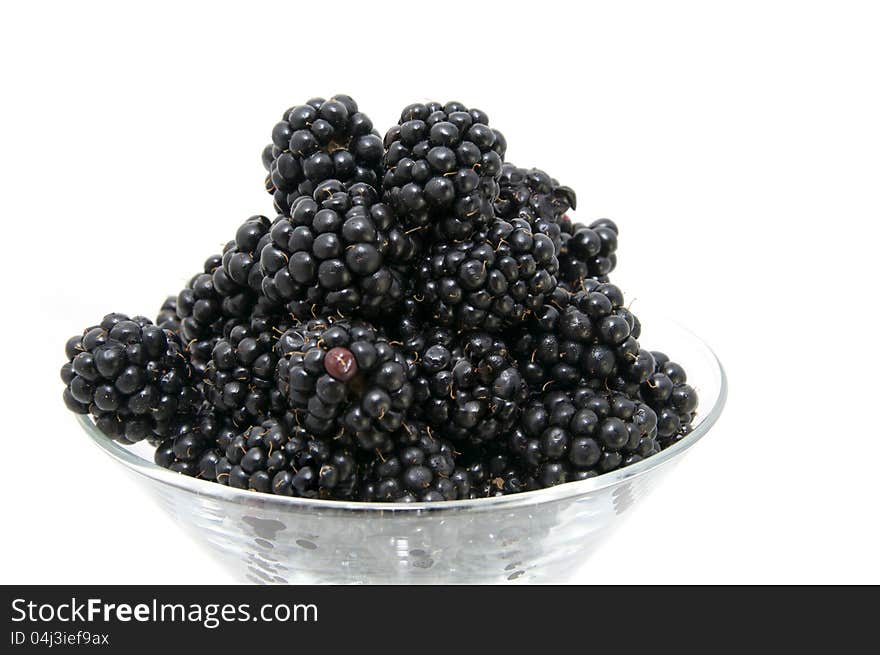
x=420 y=322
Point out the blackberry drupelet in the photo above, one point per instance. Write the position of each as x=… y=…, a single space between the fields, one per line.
x=573 y=435
x=675 y=401
x=490 y=282
x=131 y=376
x=442 y=165
x=587 y=251
x=344 y=380
x=422 y=467
x=338 y=252
x=535 y=197
x=271 y=458
x=317 y=141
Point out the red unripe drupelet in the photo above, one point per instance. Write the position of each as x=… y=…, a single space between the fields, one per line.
x=340 y=363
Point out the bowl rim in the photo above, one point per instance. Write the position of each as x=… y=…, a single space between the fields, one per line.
x=148 y=469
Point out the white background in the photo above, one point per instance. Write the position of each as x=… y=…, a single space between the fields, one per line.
x=736 y=144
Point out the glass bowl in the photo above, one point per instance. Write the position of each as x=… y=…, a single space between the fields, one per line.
x=538 y=536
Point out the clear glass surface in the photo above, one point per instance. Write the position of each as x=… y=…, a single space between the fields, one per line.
x=538 y=536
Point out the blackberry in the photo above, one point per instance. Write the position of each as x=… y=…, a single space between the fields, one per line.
x=209 y=301
x=584 y=251
x=191 y=445
x=271 y=458
x=317 y=141
x=167 y=318
x=495 y=471
x=491 y=281
x=442 y=165
x=337 y=252
x=587 y=251
x=578 y=434
x=467 y=387
x=587 y=337
x=345 y=380
x=210 y=298
x=240 y=376
x=225 y=293
x=666 y=390
x=241 y=257
x=410 y=325
x=421 y=468
x=536 y=197
x=131 y=376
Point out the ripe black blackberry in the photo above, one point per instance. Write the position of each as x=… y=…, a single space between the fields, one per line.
x=338 y=252
x=271 y=458
x=587 y=337
x=491 y=281
x=675 y=401
x=241 y=257
x=317 y=141
x=191 y=444
x=209 y=301
x=467 y=386
x=584 y=251
x=422 y=467
x=224 y=294
x=344 y=380
x=587 y=251
x=167 y=318
x=239 y=378
x=442 y=165
x=210 y=298
x=534 y=196
x=495 y=471
x=131 y=376
x=573 y=435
